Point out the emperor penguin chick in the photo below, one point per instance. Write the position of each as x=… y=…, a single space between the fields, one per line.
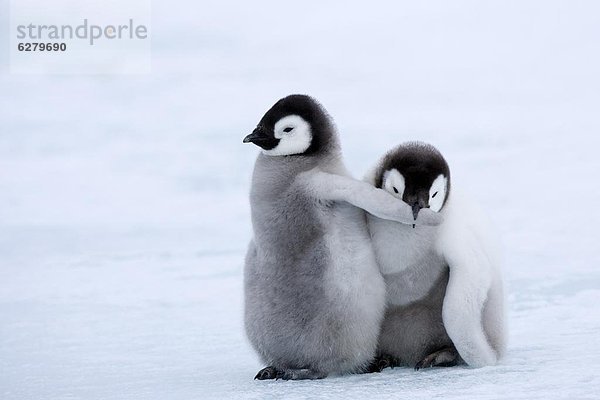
x=444 y=287
x=314 y=296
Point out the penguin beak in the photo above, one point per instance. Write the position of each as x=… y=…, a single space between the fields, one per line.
x=262 y=138
x=257 y=136
x=415 y=209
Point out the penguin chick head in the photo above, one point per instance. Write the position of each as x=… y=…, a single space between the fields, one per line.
x=295 y=125
x=418 y=174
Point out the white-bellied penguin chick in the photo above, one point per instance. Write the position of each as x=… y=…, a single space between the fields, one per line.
x=444 y=287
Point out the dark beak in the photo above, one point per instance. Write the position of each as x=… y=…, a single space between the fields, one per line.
x=262 y=138
x=415 y=209
x=257 y=136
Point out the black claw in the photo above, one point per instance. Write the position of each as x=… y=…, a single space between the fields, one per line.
x=432 y=359
x=383 y=364
x=448 y=364
x=267 y=373
x=421 y=364
x=375 y=366
x=380 y=363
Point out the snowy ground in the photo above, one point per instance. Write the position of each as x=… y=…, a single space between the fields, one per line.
x=123 y=199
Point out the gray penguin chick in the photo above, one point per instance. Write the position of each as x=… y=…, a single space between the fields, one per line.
x=314 y=296
x=445 y=294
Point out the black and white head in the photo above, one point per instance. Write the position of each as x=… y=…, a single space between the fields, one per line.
x=295 y=125
x=418 y=174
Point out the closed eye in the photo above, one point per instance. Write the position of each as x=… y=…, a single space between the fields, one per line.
x=434 y=195
x=288 y=129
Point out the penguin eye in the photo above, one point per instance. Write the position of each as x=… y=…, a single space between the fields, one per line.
x=288 y=129
x=395 y=190
x=434 y=195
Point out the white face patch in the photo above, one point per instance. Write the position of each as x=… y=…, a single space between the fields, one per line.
x=294 y=134
x=437 y=193
x=393 y=182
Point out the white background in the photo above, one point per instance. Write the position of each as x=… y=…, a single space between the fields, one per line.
x=123 y=199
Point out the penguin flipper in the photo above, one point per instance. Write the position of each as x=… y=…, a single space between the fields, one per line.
x=474 y=265
x=462 y=316
x=326 y=186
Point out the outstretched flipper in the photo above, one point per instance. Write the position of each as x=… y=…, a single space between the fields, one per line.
x=288 y=374
x=331 y=187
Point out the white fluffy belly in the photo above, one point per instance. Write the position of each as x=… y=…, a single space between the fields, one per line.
x=407 y=259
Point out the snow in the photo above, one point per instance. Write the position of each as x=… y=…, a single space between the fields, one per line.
x=123 y=199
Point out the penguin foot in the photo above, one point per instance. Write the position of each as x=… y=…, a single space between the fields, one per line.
x=446 y=357
x=288 y=374
x=381 y=362
x=267 y=373
x=301 y=374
